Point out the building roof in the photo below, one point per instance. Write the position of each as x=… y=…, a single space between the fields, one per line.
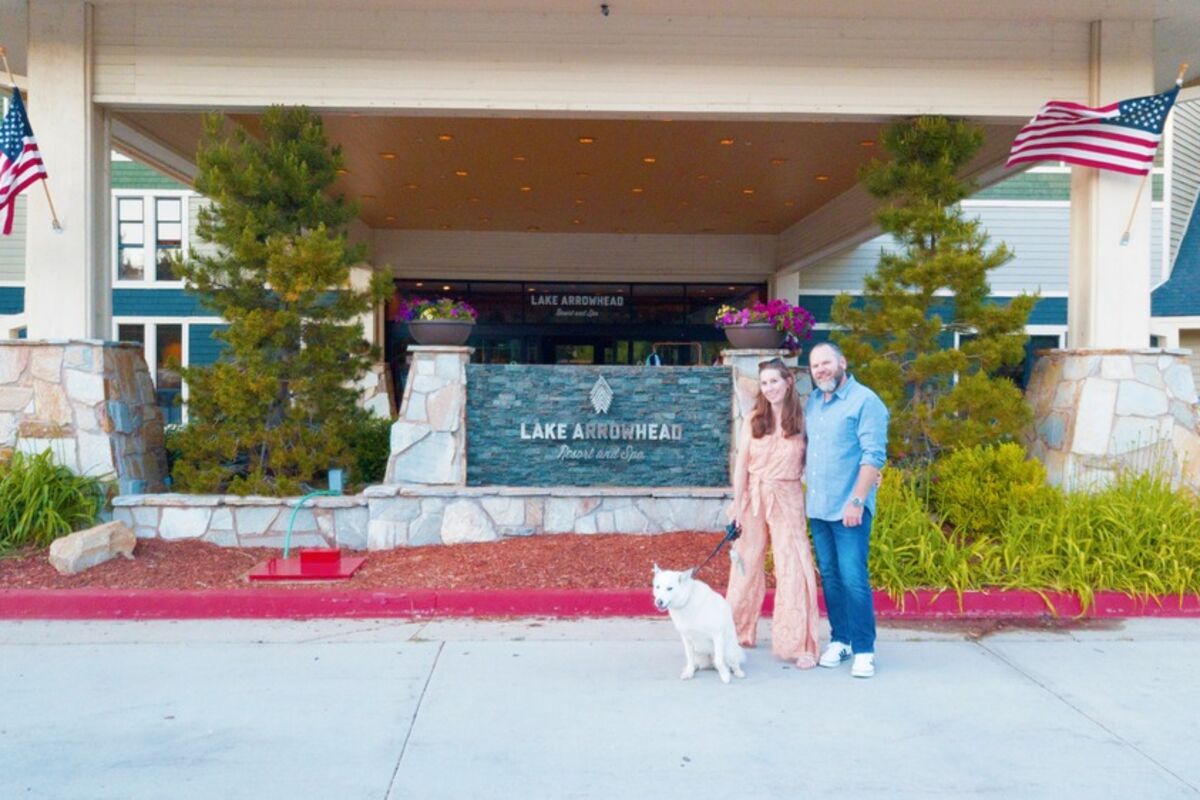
x=1179 y=296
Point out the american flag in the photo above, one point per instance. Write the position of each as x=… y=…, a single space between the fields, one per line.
x=20 y=160
x=1122 y=136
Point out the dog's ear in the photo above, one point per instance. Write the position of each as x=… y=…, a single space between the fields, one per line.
x=687 y=574
x=656 y=569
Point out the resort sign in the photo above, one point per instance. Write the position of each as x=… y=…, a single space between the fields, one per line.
x=544 y=425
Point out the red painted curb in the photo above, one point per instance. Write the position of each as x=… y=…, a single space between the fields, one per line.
x=80 y=604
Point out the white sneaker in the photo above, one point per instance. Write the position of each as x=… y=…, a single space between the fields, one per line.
x=834 y=654
x=863 y=666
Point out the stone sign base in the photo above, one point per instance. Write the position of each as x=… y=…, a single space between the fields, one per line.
x=1099 y=411
x=386 y=517
x=91 y=403
x=409 y=516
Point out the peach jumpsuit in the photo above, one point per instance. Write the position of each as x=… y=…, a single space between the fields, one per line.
x=767 y=482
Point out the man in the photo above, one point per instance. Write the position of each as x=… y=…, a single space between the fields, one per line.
x=847 y=447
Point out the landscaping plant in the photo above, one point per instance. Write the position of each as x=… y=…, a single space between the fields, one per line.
x=931 y=284
x=1138 y=536
x=277 y=409
x=41 y=500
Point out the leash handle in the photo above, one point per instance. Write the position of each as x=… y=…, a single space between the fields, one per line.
x=732 y=531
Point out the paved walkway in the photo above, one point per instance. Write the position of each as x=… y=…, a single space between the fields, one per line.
x=549 y=709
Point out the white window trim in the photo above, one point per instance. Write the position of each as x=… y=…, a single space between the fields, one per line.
x=149 y=220
x=150 y=326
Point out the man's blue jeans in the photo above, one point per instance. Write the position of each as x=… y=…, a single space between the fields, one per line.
x=842 y=559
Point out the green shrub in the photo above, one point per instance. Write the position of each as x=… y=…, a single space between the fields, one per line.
x=1139 y=536
x=370 y=444
x=41 y=500
x=976 y=489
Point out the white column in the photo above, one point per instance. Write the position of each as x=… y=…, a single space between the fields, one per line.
x=67 y=276
x=1109 y=304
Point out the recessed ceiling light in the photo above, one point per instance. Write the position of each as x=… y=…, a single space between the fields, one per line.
x=583 y=174
x=725 y=142
x=355 y=114
x=444 y=226
x=420 y=284
x=822 y=178
x=342 y=171
x=586 y=140
x=390 y=218
x=732 y=288
x=446 y=288
x=701 y=177
x=518 y=158
x=708 y=230
x=526 y=188
x=748 y=190
x=637 y=190
x=532 y=289
x=578 y=201
x=472 y=199
x=445 y=137
x=866 y=143
x=576 y=221
x=462 y=173
x=411 y=186
x=368 y=197
x=533 y=228
x=485 y=219
x=649 y=160
x=388 y=156
x=619 y=229
x=777 y=161
x=789 y=203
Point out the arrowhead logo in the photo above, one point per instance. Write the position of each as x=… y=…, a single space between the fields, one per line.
x=601 y=395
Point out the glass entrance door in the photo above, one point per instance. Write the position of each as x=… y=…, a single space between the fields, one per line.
x=577 y=350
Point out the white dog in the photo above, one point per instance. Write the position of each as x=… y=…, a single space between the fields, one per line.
x=704 y=621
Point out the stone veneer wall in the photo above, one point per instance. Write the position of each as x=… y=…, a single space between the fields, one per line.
x=411 y=516
x=91 y=402
x=234 y=521
x=1096 y=411
x=429 y=440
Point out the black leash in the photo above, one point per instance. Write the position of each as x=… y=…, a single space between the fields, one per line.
x=732 y=531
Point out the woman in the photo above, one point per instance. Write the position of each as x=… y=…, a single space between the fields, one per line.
x=768 y=501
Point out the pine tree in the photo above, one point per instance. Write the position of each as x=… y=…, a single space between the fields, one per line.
x=897 y=337
x=277 y=409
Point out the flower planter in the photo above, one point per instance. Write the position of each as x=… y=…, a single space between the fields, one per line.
x=446 y=332
x=755 y=336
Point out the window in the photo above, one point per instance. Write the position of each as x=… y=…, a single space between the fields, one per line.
x=162 y=347
x=168 y=235
x=151 y=233
x=131 y=239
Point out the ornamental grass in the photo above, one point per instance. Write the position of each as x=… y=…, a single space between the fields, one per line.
x=984 y=518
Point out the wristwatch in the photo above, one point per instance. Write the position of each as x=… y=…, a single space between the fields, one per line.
x=857 y=502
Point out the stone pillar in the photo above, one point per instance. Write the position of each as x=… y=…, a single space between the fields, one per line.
x=429 y=440
x=68 y=285
x=90 y=403
x=1098 y=411
x=1109 y=298
x=745 y=385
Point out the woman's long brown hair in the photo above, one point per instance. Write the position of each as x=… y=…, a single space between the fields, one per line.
x=763 y=421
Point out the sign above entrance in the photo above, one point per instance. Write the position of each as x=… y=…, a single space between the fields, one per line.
x=579 y=307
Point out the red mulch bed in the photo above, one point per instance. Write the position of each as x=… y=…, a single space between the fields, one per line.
x=603 y=561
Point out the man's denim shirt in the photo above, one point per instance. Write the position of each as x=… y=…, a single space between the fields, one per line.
x=847 y=431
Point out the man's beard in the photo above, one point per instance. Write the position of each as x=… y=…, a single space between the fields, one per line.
x=832 y=384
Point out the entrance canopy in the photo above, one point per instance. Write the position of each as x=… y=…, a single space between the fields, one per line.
x=795 y=86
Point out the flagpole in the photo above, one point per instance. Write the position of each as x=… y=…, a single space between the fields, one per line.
x=44 y=181
x=1133 y=211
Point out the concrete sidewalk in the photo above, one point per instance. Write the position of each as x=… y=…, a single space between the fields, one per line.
x=550 y=709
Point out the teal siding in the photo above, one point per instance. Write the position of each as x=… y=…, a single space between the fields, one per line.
x=132 y=175
x=203 y=347
x=1047 y=310
x=12 y=299
x=157 y=303
x=1049 y=186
